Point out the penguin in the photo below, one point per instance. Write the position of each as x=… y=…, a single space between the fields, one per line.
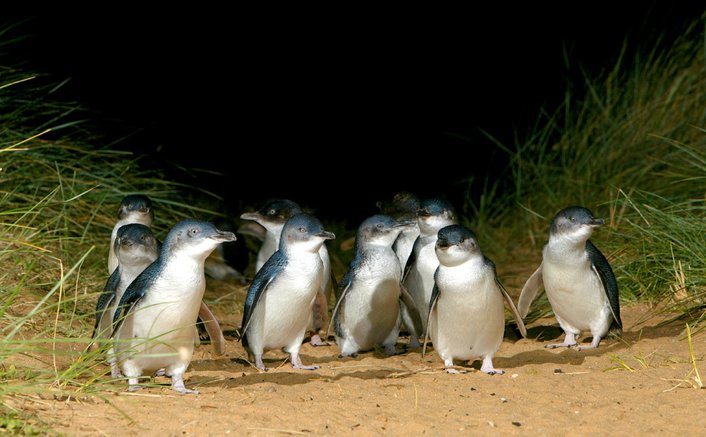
x=278 y=304
x=367 y=313
x=154 y=322
x=418 y=276
x=135 y=248
x=272 y=216
x=577 y=278
x=137 y=208
x=466 y=319
x=134 y=208
x=403 y=207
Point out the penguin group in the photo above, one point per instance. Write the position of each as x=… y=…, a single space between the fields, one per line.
x=416 y=270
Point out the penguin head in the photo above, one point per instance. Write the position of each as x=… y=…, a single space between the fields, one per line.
x=194 y=238
x=136 y=208
x=433 y=214
x=381 y=230
x=575 y=223
x=273 y=214
x=303 y=232
x=135 y=244
x=403 y=206
x=456 y=244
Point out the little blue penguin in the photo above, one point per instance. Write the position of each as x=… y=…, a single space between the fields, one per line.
x=134 y=208
x=154 y=322
x=273 y=214
x=137 y=208
x=418 y=277
x=279 y=301
x=403 y=207
x=577 y=278
x=367 y=314
x=135 y=248
x=466 y=315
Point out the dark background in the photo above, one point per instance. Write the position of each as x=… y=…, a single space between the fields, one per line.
x=361 y=102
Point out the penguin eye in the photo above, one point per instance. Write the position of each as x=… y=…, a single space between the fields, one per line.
x=271 y=212
x=379 y=225
x=302 y=229
x=143 y=237
x=573 y=219
x=193 y=231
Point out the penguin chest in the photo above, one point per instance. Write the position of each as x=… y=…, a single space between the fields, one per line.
x=575 y=293
x=285 y=308
x=468 y=321
x=371 y=307
x=160 y=328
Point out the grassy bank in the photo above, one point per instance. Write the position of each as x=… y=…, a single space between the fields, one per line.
x=632 y=147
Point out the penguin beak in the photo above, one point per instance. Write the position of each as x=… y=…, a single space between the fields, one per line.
x=405 y=223
x=224 y=236
x=443 y=244
x=250 y=216
x=421 y=212
x=326 y=235
x=596 y=222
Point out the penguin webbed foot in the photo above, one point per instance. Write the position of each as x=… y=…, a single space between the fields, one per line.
x=353 y=355
x=452 y=371
x=487 y=367
x=569 y=341
x=178 y=386
x=260 y=365
x=391 y=351
x=316 y=341
x=558 y=345
x=594 y=344
x=297 y=362
x=303 y=367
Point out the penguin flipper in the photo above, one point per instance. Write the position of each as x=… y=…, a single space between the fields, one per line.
x=267 y=273
x=513 y=309
x=106 y=299
x=213 y=328
x=432 y=304
x=344 y=286
x=410 y=310
x=529 y=291
x=134 y=292
x=602 y=268
x=412 y=258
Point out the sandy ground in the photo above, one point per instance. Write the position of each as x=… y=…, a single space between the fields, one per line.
x=637 y=385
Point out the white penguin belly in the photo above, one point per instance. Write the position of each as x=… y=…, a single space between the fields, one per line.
x=284 y=310
x=160 y=330
x=371 y=311
x=468 y=321
x=577 y=297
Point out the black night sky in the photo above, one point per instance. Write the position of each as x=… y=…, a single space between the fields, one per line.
x=325 y=98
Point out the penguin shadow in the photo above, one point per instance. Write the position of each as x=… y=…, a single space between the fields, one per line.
x=244 y=374
x=546 y=334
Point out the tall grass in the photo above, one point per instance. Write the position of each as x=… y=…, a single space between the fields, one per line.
x=59 y=192
x=632 y=148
